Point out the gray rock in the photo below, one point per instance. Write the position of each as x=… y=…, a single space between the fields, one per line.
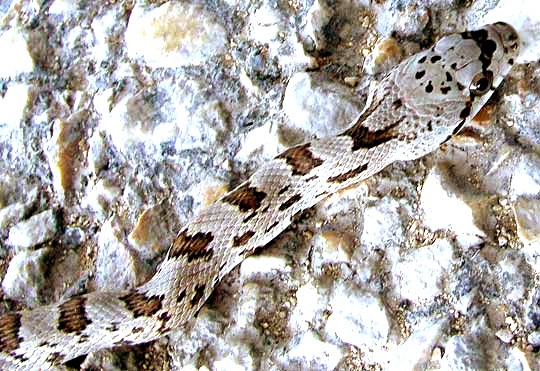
x=37 y=229
x=25 y=277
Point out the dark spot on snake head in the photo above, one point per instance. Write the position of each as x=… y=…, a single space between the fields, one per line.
x=422 y=60
x=397 y=103
x=198 y=295
x=192 y=247
x=140 y=304
x=435 y=58
x=453 y=66
x=300 y=159
x=445 y=90
x=448 y=77
x=245 y=197
x=478 y=36
x=9 y=332
x=488 y=48
x=429 y=126
x=429 y=87
x=420 y=74
x=72 y=316
x=460 y=86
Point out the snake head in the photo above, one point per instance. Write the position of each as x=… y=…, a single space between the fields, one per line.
x=451 y=81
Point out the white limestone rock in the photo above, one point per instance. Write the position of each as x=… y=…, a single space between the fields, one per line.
x=266 y=25
x=25 y=276
x=310 y=303
x=527 y=214
x=31 y=232
x=444 y=209
x=100 y=197
x=525 y=177
x=113 y=253
x=166 y=113
x=318 y=106
x=367 y=326
x=13 y=104
x=312 y=353
x=264 y=265
x=263 y=142
x=420 y=276
x=14 y=212
x=174 y=35
x=20 y=60
x=63 y=7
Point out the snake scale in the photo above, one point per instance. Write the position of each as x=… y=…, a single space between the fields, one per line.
x=418 y=105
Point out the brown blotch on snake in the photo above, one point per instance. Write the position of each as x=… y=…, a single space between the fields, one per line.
x=192 y=247
x=349 y=174
x=283 y=190
x=365 y=138
x=245 y=197
x=9 y=332
x=73 y=318
x=300 y=159
x=291 y=201
x=199 y=294
x=181 y=296
x=242 y=239
x=141 y=305
x=164 y=318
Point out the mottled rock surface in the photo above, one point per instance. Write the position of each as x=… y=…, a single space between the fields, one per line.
x=121 y=120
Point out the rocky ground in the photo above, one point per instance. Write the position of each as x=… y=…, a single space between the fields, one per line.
x=121 y=120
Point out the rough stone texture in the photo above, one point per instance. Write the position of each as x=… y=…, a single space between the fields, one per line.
x=128 y=117
x=34 y=231
x=25 y=277
x=20 y=61
x=174 y=35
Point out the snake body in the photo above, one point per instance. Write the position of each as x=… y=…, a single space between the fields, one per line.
x=417 y=106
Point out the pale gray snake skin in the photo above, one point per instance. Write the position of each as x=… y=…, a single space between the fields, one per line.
x=417 y=106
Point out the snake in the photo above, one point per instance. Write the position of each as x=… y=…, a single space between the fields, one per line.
x=418 y=105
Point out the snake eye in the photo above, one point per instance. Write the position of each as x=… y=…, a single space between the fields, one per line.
x=481 y=83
